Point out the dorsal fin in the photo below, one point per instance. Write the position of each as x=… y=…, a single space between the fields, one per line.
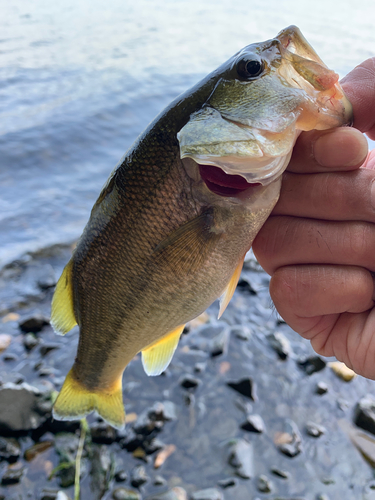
x=229 y=291
x=62 y=312
x=157 y=356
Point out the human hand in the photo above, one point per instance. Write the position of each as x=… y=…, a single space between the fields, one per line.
x=319 y=243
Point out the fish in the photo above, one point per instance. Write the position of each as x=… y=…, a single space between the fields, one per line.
x=172 y=225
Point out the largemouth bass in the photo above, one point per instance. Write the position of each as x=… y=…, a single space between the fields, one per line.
x=170 y=229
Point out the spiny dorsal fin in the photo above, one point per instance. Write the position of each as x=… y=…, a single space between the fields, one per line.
x=62 y=312
x=229 y=291
x=157 y=356
x=76 y=401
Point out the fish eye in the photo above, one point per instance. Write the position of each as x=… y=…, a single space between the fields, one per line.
x=249 y=68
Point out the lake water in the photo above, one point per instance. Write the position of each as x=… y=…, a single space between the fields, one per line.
x=80 y=79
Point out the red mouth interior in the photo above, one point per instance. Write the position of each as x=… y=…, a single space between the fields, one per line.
x=223 y=184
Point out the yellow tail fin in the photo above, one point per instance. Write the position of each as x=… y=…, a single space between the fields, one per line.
x=75 y=401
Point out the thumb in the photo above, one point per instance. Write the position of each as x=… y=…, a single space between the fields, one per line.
x=359 y=87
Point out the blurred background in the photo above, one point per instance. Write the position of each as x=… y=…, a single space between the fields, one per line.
x=80 y=79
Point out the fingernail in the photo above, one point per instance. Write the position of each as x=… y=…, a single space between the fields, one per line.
x=345 y=147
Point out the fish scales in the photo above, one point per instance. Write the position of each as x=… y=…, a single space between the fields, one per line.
x=170 y=229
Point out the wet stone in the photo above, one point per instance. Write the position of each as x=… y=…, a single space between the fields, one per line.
x=227 y=483
x=314 y=430
x=321 y=388
x=312 y=364
x=138 y=476
x=364 y=416
x=241 y=458
x=189 y=382
x=289 y=441
x=253 y=423
x=30 y=341
x=49 y=494
x=12 y=476
x=5 y=341
x=200 y=367
x=207 y=494
x=176 y=493
x=121 y=476
x=46 y=348
x=34 y=324
x=264 y=485
x=244 y=386
x=125 y=494
x=279 y=473
x=280 y=344
x=241 y=332
x=10 y=449
x=159 y=481
x=21 y=407
x=102 y=433
x=164 y=411
x=219 y=344
x=245 y=286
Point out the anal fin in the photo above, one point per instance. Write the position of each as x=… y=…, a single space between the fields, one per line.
x=229 y=291
x=62 y=312
x=157 y=356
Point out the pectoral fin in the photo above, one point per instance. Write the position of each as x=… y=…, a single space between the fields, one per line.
x=62 y=312
x=229 y=291
x=157 y=356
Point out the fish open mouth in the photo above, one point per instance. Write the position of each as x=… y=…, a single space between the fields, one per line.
x=224 y=184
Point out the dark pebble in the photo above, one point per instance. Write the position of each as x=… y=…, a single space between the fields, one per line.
x=102 y=433
x=279 y=473
x=10 y=449
x=314 y=430
x=245 y=286
x=34 y=323
x=241 y=332
x=207 y=494
x=280 y=344
x=264 y=485
x=364 y=416
x=46 y=348
x=200 y=367
x=245 y=386
x=159 y=481
x=138 y=476
x=294 y=446
x=12 y=476
x=253 y=423
x=322 y=496
x=121 y=476
x=49 y=494
x=163 y=411
x=30 y=341
x=219 y=344
x=189 y=382
x=227 y=483
x=321 y=388
x=312 y=364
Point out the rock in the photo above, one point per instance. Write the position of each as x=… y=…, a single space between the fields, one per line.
x=264 y=485
x=219 y=344
x=280 y=344
x=244 y=386
x=22 y=407
x=101 y=462
x=5 y=341
x=253 y=423
x=10 y=449
x=49 y=494
x=34 y=323
x=364 y=416
x=279 y=473
x=245 y=286
x=314 y=430
x=321 y=388
x=164 y=411
x=241 y=332
x=227 y=483
x=189 y=382
x=176 y=493
x=12 y=476
x=241 y=457
x=30 y=341
x=159 y=481
x=342 y=371
x=125 y=494
x=138 y=476
x=322 y=496
x=48 y=278
x=121 y=476
x=289 y=442
x=61 y=495
x=46 y=348
x=208 y=494
x=36 y=449
x=102 y=433
x=312 y=364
